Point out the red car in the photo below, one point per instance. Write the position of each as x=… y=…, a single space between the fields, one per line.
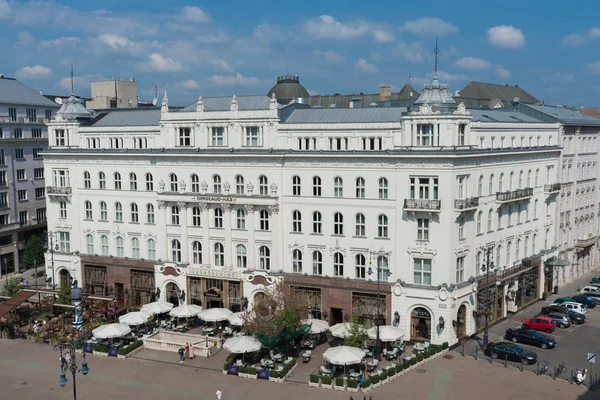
x=540 y=323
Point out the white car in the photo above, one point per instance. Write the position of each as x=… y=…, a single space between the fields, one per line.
x=577 y=307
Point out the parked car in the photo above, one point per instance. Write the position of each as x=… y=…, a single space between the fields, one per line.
x=561 y=300
x=574 y=317
x=540 y=323
x=562 y=320
x=530 y=336
x=595 y=279
x=575 y=306
x=511 y=352
x=589 y=289
x=590 y=302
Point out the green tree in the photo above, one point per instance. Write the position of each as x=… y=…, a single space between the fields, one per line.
x=33 y=251
x=64 y=294
x=357 y=334
x=11 y=288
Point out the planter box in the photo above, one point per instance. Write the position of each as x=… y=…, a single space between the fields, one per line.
x=251 y=376
x=384 y=381
x=242 y=375
x=340 y=388
x=313 y=384
x=353 y=390
x=368 y=389
x=330 y=386
x=271 y=379
x=130 y=354
x=376 y=385
x=224 y=372
x=98 y=353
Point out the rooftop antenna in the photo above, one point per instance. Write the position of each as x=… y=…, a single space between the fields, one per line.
x=436 y=51
x=234 y=82
x=72 y=81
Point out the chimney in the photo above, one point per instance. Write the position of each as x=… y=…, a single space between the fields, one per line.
x=385 y=93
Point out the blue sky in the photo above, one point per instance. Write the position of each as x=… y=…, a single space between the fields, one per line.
x=197 y=47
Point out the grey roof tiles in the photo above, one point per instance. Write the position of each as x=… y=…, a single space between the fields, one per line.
x=14 y=92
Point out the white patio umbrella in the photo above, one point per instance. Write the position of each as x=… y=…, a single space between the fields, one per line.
x=215 y=314
x=340 y=330
x=157 y=307
x=242 y=345
x=185 y=311
x=235 y=319
x=134 y=318
x=344 y=355
x=316 y=325
x=111 y=331
x=387 y=333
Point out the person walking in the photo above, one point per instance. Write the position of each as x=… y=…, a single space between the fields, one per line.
x=192 y=355
x=181 y=354
x=187 y=351
x=219 y=394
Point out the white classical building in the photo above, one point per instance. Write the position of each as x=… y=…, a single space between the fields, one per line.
x=218 y=200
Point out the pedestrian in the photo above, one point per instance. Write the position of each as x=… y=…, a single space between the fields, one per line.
x=192 y=355
x=181 y=354
x=187 y=351
x=219 y=394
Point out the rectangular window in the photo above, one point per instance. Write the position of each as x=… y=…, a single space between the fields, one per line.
x=2 y=178
x=61 y=139
x=422 y=271
x=425 y=135
x=31 y=114
x=460 y=269
x=4 y=219
x=61 y=177
x=48 y=114
x=424 y=188
x=18 y=133
x=3 y=199
x=19 y=154
x=461 y=134
x=21 y=175
x=252 y=136
x=22 y=194
x=40 y=193
x=38 y=173
x=217 y=137
x=185 y=137
x=64 y=239
x=63 y=209
x=2 y=159
x=23 y=217
x=40 y=215
x=36 y=133
x=12 y=114
x=422 y=229
x=36 y=153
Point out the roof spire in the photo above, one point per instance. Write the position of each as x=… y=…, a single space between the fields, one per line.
x=72 y=81
x=436 y=51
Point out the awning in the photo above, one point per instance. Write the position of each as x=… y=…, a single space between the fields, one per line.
x=557 y=262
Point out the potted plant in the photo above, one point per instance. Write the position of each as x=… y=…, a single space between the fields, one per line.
x=406 y=365
x=326 y=382
x=392 y=372
x=366 y=386
x=339 y=384
x=242 y=372
x=313 y=380
x=445 y=346
x=273 y=375
x=419 y=359
x=384 y=377
x=399 y=369
x=100 y=350
x=251 y=373
x=225 y=368
x=352 y=385
x=426 y=354
x=375 y=381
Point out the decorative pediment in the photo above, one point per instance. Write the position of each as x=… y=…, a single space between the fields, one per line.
x=421 y=248
x=296 y=246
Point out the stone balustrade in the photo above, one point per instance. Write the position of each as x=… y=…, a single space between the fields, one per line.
x=204 y=346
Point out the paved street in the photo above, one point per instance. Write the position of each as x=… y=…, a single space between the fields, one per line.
x=29 y=371
x=573 y=343
x=28 y=275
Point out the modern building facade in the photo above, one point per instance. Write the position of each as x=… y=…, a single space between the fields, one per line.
x=23 y=137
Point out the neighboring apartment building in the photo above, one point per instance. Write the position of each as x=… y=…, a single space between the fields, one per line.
x=218 y=200
x=23 y=137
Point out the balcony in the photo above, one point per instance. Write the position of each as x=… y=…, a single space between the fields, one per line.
x=589 y=241
x=9 y=227
x=514 y=195
x=426 y=205
x=469 y=204
x=58 y=190
x=552 y=188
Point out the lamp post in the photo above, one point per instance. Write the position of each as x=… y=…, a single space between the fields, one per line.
x=380 y=268
x=486 y=267
x=69 y=364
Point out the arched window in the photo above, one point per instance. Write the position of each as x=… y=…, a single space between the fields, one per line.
x=149 y=213
x=520 y=180
x=511 y=180
x=360 y=264
x=526 y=247
x=500 y=183
x=534 y=244
x=316 y=186
x=104 y=245
x=296 y=261
x=317 y=263
x=360 y=188
x=120 y=247
x=338 y=224
x=383 y=188
x=196 y=252
x=338 y=187
x=219 y=255
x=174 y=215
x=240 y=255
x=382 y=267
x=195 y=183
x=90 y=244
x=135 y=248
x=151 y=249
x=296 y=187
x=175 y=251
x=480 y=186
x=489 y=221
x=317 y=222
x=132 y=181
x=264 y=220
x=537 y=177
x=117 y=177
x=517 y=250
x=103 y=211
x=535 y=209
x=296 y=221
x=519 y=209
x=263 y=185
x=479 y=218
x=87 y=180
x=216 y=184
x=264 y=258
x=101 y=180
x=88 y=210
x=149 y=182
x=529 y=179
x=360 y=225
x=134 y=213
x=173 y=182
x=218 y=217
x=338 y=264
x=499 y=256
x=196 y=216
x=240 y=218
x=118 y=212
x=491 y=184
x=382 y=226
x=239 y=184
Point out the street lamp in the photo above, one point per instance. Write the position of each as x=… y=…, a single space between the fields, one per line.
x=489 y=264
x=69 y=349
x=382 y=266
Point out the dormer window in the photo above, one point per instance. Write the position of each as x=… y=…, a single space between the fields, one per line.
x=461 y=134
x=185 y=137
x=252 y=136
x=425 y=135
x=61 y=139
x=217 y=138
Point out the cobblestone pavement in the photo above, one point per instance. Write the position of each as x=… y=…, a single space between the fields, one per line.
x=29 y=371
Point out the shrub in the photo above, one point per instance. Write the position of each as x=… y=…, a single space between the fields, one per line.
x=292 y=363
x=444 y=345
x=314 y=378
x=273 y=374
x=419 y=357
x=339 y=381
x=251 y=371
x=406 y=364
x=383 y=375
x=352 y=384
x=283 y=373
x=399 y=368
x=427 y=354
x=413 y=361
x=375 y=379
x=100 y=348
x=391 y=371
x=128 y=349
x=225 y=366
x=243 y=370
x=326 y=380
x=367 y=383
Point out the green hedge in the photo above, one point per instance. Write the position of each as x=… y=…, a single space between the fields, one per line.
x=314 y=378
x=326 y=380
x=419 y=357
x=251 y=370
x=243 y=370
x=375 y=379
x=444 y=345
x=273 y=374
x=100 y=348
x=339 y=381
x=406 y=364
x=366 y=383
x=383 y=375
x=413 y=361
x=128 y=349
x=391 y=371
x=352 y=384
x=427 y=354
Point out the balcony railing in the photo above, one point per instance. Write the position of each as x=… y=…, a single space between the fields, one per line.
x=58 y=190
x=586 y=242
x=422 y=205
x=466 y=204
x=552 y=188
x=514 y=195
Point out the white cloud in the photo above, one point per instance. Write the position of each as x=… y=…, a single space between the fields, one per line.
x=230 y=80
x=221 y=65
x=61 y=41
x=326 y=27
x=330 y=56
x=37 y=71
x=413 y=52
x=115 y=41
x=163 y=64
x=506 y=36
x=501 y=72
x=190 y=84
x=80 y=81
x=429 y=27
x=382 y=36
x=363 y=65
x=212 y=38
x=594 y=67
x=5 y=10
x=25 y=38
x=312 y=93
x=576 y=40
x=472 y=63
x=195 y=14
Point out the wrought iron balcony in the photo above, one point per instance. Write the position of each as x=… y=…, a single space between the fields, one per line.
x=552 y=188
x=470 y=203
x=581 y=243
x=428 y=205
x=514 y=195
x=58 y=190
